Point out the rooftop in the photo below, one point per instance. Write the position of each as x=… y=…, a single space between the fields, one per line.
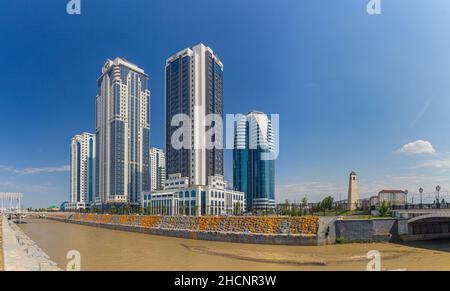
x=392 y=191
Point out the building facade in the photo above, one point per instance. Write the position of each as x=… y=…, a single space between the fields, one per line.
x=194 y=88
x=179 y=198
x=395 y=198
x=82 y=169
x=157 y=169
x=74 y=206
x=122 y=134
x=252 y=173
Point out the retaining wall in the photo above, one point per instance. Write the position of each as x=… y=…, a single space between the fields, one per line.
x=261 y=230
x=367 y=230
x=258 y=230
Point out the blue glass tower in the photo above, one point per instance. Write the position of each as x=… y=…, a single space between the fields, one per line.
x=253 y=173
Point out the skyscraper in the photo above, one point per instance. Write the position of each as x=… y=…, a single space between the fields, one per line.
x=252 y=172
x=157 y=169
x=193 y=86
x=122 y=133
x=82 y=158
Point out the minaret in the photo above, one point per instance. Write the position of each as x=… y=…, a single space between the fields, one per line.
x=353 y=195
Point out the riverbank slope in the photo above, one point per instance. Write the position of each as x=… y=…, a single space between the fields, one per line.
x=1 y=244
x=20 y=253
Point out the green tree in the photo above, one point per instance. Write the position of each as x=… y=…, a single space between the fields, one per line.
x=285 y=208
x=236 y=209
x=316 y=208
x=385 y=209
x=127 y=209
x=304 y=204
x=326 y=204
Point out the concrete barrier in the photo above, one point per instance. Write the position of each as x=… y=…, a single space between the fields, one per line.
x=366 y=230
x=329 y=230
x=20 y=253
x=236 y=237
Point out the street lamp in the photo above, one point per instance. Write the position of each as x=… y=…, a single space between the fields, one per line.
x=420 y=191
x=406 y=202
x=438 y=188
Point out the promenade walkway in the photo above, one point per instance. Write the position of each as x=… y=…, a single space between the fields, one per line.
x=1 y=245
x=20 y=253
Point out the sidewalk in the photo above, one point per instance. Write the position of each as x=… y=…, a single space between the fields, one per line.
x=20 y=253
x=1 y=245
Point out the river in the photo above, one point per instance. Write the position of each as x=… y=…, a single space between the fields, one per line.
x=105 y=249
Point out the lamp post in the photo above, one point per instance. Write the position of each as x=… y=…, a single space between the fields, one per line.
x=406 y=202
x=421 y=191
x=438 y=188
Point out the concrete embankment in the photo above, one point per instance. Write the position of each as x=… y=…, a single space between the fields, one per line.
x=1 y=245
x=279 y=231
x=306 y=231
x=20 y=253
x=366 y=230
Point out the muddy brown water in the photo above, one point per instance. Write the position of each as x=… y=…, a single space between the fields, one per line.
x=105 y=249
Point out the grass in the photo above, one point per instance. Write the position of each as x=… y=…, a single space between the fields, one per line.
x=340 y=240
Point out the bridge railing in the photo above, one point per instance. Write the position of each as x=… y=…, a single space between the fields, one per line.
x=422 y=206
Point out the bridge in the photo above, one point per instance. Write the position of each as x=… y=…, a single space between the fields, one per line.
x=10 y=202
x=423 y=224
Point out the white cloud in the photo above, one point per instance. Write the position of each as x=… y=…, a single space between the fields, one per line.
x=6 y=183
x=28 y=171
x=434 y=164
x=418 y=147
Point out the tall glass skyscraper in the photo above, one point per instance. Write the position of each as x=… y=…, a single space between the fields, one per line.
x=122 y=133
x=82 y=158
x=193 y=86
x=252 y=173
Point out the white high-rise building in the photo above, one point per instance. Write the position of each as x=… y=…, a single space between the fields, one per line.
x=82 y=176
x=157 y=169
x=193 y=87
x=122 y=133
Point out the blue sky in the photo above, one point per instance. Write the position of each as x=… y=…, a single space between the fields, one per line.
x=351 y=89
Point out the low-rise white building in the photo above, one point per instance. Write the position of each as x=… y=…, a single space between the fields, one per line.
x=374 y=202
x=74 y=206
x=180 y=198
x=395 y=198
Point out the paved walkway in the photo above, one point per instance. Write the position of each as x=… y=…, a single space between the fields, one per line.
x=1 y=245
x=21 y=253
